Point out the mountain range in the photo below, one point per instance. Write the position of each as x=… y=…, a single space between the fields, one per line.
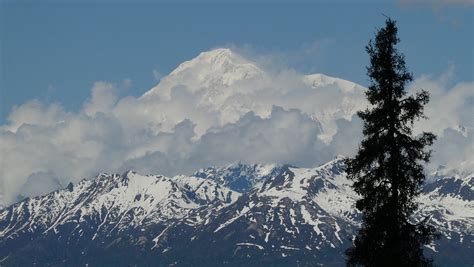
x=214 y=109
x=237 y=215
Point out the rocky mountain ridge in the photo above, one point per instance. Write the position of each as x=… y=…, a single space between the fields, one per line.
x=235 y=215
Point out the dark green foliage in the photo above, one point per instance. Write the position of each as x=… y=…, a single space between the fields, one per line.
x=387 y=171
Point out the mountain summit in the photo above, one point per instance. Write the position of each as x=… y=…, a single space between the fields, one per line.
x=212 y=71
x=227 y=85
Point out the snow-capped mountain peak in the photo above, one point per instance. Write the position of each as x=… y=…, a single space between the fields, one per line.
x=222 y=60
x=212 y=71
x=220 y=87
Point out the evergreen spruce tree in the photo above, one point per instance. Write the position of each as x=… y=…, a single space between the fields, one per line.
x=387 y=171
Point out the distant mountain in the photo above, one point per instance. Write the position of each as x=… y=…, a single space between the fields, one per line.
x=210 y=71
x=238 y=215
x=228 y=85
x=241 y=177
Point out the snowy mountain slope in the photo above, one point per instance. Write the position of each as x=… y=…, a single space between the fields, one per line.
x=218 y=81
x=455 y=186
x=449 y=200
x=212 y=71
x=308 y=215
x=282 y=220
x=149 y=198
x=224 y=86
x=240 y=177
x=283 y=216
x=448 y=203
x=110 y=205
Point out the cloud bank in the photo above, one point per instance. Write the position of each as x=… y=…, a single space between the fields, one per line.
x=216 y=109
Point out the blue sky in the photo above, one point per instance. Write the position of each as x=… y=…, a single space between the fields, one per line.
x=55 y=52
